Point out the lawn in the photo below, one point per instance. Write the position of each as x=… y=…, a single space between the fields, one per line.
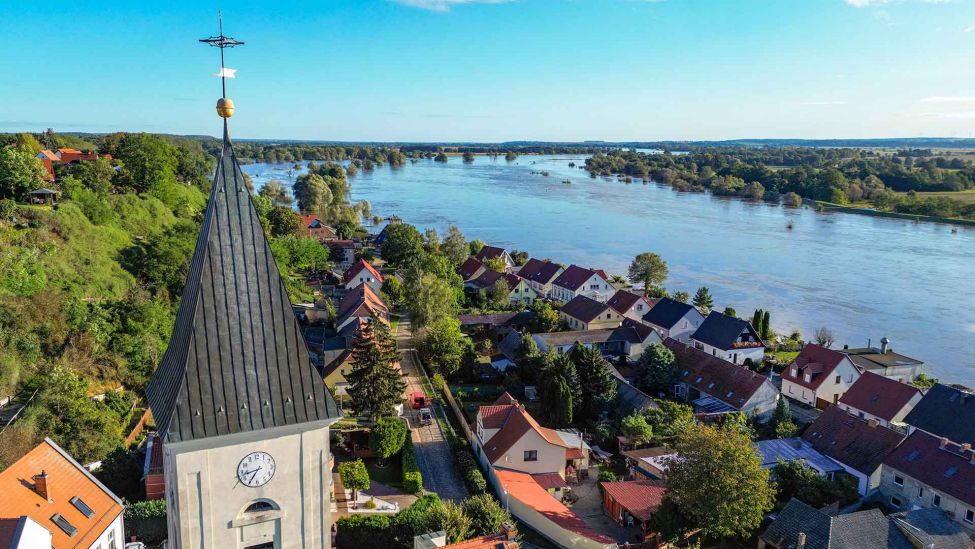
x=968 y=197
x=391 y=475
x=785 y=357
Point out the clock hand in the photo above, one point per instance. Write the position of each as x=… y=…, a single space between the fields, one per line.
x=253 y=474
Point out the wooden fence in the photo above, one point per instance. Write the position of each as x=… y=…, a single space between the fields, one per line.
x=458 y=413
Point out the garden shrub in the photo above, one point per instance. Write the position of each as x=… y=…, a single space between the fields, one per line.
x=412 y=478
x=146 y=520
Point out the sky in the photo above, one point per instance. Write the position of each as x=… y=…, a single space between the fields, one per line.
x=495 y=70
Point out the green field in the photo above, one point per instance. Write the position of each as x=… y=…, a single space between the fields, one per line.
x=967 y=197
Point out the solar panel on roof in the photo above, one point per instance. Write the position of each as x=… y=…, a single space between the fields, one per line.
x=64 y=525
x=80 y=505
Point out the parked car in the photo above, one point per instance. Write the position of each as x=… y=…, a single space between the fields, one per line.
x=419 y=400
x=426 y=417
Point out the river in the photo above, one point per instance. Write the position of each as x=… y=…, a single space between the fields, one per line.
x=863 y=277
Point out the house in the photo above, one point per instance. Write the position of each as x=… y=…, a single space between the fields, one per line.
x=361 y=272
x=859 y=446
x=673 y=319
x=50 y=501
x=730 y=338
x=360 y=303
x=623 y=341
x=930 y=472
x=315 y=228
x=584 y=313
x=886 y=362
x=505 y=539
x=799 y=526
x=518 y=289
x=795 y=449
x=633 y=502
x=716 y=386
x=874 y=396
x=471 y=269
x=649 y=463
x=335 y=371
x=629 y=304
x=494 y=253
x=74 y=156
x=44 y=196
x=540 y=274
x=532 y=504
x=342 y=252
x=629 y=399
x=819 y=376
x=577 y=280
x=48 y=159
x=509 y=437
x=946 y=412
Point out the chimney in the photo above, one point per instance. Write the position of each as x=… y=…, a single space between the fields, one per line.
x=884 y=346
x=40 y=485
x=944 y=443
x=966 y=447
x=801 y=542
x=845 y=347
x=873 y=422
x=509 y=531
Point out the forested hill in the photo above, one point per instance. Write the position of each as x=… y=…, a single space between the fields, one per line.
x=89 y=288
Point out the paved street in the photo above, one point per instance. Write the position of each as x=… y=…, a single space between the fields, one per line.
x=432 y=448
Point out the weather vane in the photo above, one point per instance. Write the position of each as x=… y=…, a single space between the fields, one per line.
x=225 y=107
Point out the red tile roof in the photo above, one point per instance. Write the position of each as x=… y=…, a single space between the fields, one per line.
x=506 y=398
x=48 y=155
x=732 y=384
x=622 y=301
x=540 y=272
x=469 y=268
x=495 y=541
x=949 y=469
x=495 y=416
x=489 y=252
x=816 y=360
x=880 y=396
x=361 y=300
x=851 y=440
x=641 y=498
x=66 y=479
x=357 y=268
x=523 y=487
x=550 y=481
x=514 y=426
x=574 y=277
x=584 y=308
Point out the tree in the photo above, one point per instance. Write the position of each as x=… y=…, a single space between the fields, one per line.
x=387 y=437
x=597 y=382
x=121 y=472
x=355 y=477
x=375 y=387
x=766 y=332
x=475 y=246
x=429 y=299
x=284 y=221
x=392 y=289
x=718 y=482
x=454 y=246
x=636 y=428
x=312 y=192
x=496 y=264
x=431 y=241
x=443 y=346
x=450 y=518
x=703 y=299
x=486 y=514
x=648 y=268
x=669 y=418
x=825 y=337
x=498 y=294
x=97 y=175
x=403 y=243
x=149 y=163
x=757 y=320
x=792 y=200
x=556 y=370
x=277 y=192
x=546 y=317
x=562 y=410
x=20 y=173
x=793 y=479
x=441 y=157
x=782 y=419
x=730 y=311
x=468 y=157
x=657 y=367
x=683 y=297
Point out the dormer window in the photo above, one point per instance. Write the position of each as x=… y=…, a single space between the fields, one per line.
x=795 y=372
x=808 y=378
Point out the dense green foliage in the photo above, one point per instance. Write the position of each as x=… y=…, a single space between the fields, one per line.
x=795 y=479
x=355 y=476
x=375 y=386
x=387 y=437
x=467 y=467
x=146 y=520
x=412 y=477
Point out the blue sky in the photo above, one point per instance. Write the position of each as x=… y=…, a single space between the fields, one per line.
x=423 y=70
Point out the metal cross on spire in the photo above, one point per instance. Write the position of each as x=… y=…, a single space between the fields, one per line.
x=223 y=42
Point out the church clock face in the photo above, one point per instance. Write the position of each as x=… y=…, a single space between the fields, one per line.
x=256 y=469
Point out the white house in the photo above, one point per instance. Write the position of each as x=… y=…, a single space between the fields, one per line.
x=628 y=340
x=818 y=376
x=584 y=313
x=576 y=280
x=673 y=319
x=494 y=253
x=361 y=272
x=729 y=338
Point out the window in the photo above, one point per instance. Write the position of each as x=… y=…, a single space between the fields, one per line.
x=839 y=379
x=898 y=480
x=531 y=455
x=969 y=516
x=895 y=501
x=639 y=307
x=82 y=506
x=259 y=507
x=808 y=378
x=795 y=372
x=937 y=500
x=920 y=491
x=111 y=539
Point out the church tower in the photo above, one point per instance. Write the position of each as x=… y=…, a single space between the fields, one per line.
x=242 y=414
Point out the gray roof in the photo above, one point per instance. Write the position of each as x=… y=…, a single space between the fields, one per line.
x=792 y=449
x=721 y=331
x=945 y=412
x=236 y=361
x=853 y=531
x=667 y=312
x=628 y=398
x=932 y=528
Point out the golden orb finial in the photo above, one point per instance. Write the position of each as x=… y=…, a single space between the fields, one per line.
x=225 y=107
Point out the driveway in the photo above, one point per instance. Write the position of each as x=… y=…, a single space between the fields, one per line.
x=433 y=453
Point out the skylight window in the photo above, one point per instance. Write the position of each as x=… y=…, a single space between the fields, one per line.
x=82 y=506
x=952 y=471
x=64 y=525
x=913 y=455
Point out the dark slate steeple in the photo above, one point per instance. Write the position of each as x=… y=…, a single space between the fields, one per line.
x=237 y=360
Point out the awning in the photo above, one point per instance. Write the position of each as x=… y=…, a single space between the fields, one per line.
x=550 y=481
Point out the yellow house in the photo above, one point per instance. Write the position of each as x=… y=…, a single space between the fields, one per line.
x=584 y=313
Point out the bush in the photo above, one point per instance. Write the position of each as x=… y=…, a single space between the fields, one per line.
x=364 y=531
x=412 y=478
x=607 y=476
x=146 y=520
x=370 y=504
x=469 y=470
